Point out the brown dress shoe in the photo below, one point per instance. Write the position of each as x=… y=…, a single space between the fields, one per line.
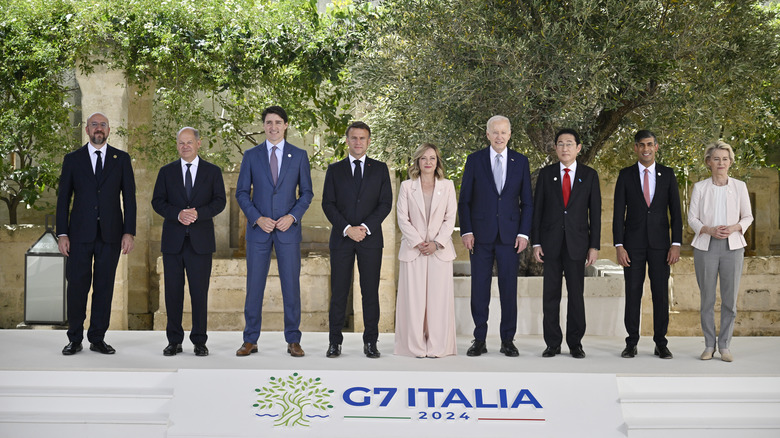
x=246 y=349
x=295 y=350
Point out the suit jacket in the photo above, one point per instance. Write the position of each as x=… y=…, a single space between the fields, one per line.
x=207 y=198
x=344 y=204
x=91 y=197
x=487 y=213
x=416 y=228
x=579 y=222
x=700 y=213
x=258 y=197
x=634 y=224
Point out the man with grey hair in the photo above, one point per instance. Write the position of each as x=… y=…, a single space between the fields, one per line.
x=188 y=193
x=496 y=209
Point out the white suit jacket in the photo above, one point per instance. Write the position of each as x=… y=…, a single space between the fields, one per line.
x=416 y=228
x=700 y=212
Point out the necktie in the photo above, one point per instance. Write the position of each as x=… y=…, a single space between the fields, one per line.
x=98 y=165
x=358 y=173
x=274 y=165
x=498 y=173
x=566 y=186
x=188 y=182
x=646 y=187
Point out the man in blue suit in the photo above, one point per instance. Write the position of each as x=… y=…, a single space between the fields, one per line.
x=496 y=209
x=280 y=176
x=101 y=225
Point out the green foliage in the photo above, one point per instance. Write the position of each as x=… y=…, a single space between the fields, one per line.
x=34 y=116
x=292 y=395
x=217 y=64
x=693 y=71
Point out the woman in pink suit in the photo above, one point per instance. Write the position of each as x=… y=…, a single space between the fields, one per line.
x=425 y=309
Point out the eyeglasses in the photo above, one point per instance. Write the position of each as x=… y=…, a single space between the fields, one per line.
x=96 y=124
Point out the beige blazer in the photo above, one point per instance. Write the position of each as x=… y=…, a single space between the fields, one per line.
x=737 y=211
x=416 y=228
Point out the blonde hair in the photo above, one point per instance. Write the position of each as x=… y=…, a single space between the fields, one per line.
x=718 y=145
x=414 y=169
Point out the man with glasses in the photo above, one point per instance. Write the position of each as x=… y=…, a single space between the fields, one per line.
x=99 y=179
x=566 y=233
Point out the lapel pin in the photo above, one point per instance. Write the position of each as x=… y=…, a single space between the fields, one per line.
x=114 y=156
x=555 y=179
x=659 y=173
x=578 y=179
x=438 y=193
x=289 y=155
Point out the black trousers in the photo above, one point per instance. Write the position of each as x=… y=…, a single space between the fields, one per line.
x=652 y=261
x=342 y=261
x=80 y=276
x=574 y=270
x=198 y=270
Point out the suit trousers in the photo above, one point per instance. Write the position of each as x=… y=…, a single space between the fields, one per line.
x=658 y=271
x=721 y=262
x=80 y=277
x=258 y=262
x=507 y=260
x=198 y=270
x=574 y=270
x=342 y=261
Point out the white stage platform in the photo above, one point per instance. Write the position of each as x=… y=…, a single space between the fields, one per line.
x=140 y=393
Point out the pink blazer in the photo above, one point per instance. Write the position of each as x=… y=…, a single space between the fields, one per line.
x=416 y=229
x=737 y=211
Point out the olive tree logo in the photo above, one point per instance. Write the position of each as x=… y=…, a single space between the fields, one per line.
x=293 y=395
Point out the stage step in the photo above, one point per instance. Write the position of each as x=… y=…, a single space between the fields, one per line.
x=85 y=403
x=672 y=407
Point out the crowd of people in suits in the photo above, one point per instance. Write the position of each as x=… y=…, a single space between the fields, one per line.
x=499 y=216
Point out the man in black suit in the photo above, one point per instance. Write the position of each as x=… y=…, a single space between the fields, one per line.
x=646 y=202
x=495 y=209
x=96 y=229
x=188 y=193
x=566 y=235
x=356 y=198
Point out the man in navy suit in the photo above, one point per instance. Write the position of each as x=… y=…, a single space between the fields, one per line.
x=274 y=191
x=647 y=208
x=100 y=226
x=188 y=193
x=566 y=235
x=356 y=198
x=495 y=208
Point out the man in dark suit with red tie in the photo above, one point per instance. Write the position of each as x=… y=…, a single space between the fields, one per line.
x=495 y=209
x=101 y=225
x=566 y=235
x=647 y=208
x=188 y=193
x=356 y=198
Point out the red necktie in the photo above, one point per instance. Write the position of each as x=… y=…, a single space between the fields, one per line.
x=646 y=187
x=566 y=187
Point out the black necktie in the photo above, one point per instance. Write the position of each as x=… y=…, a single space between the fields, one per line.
x=358 y=173
x=98 y=165
x=188 y=182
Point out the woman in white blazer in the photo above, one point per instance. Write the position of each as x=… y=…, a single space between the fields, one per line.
x=425 y=307
x=719 y=214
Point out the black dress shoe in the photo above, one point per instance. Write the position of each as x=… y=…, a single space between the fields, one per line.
x=629 y=351
x=577 y=353
x=334 y=350
x=172 y=349
x=477 y=348
x=663 y=352
x=370 y=350
x=509 y=349
x=72 y=348
x=551 y=351
x=201 y=350
x=102 y=347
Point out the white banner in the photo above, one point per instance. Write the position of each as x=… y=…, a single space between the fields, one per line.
x=256 y=403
